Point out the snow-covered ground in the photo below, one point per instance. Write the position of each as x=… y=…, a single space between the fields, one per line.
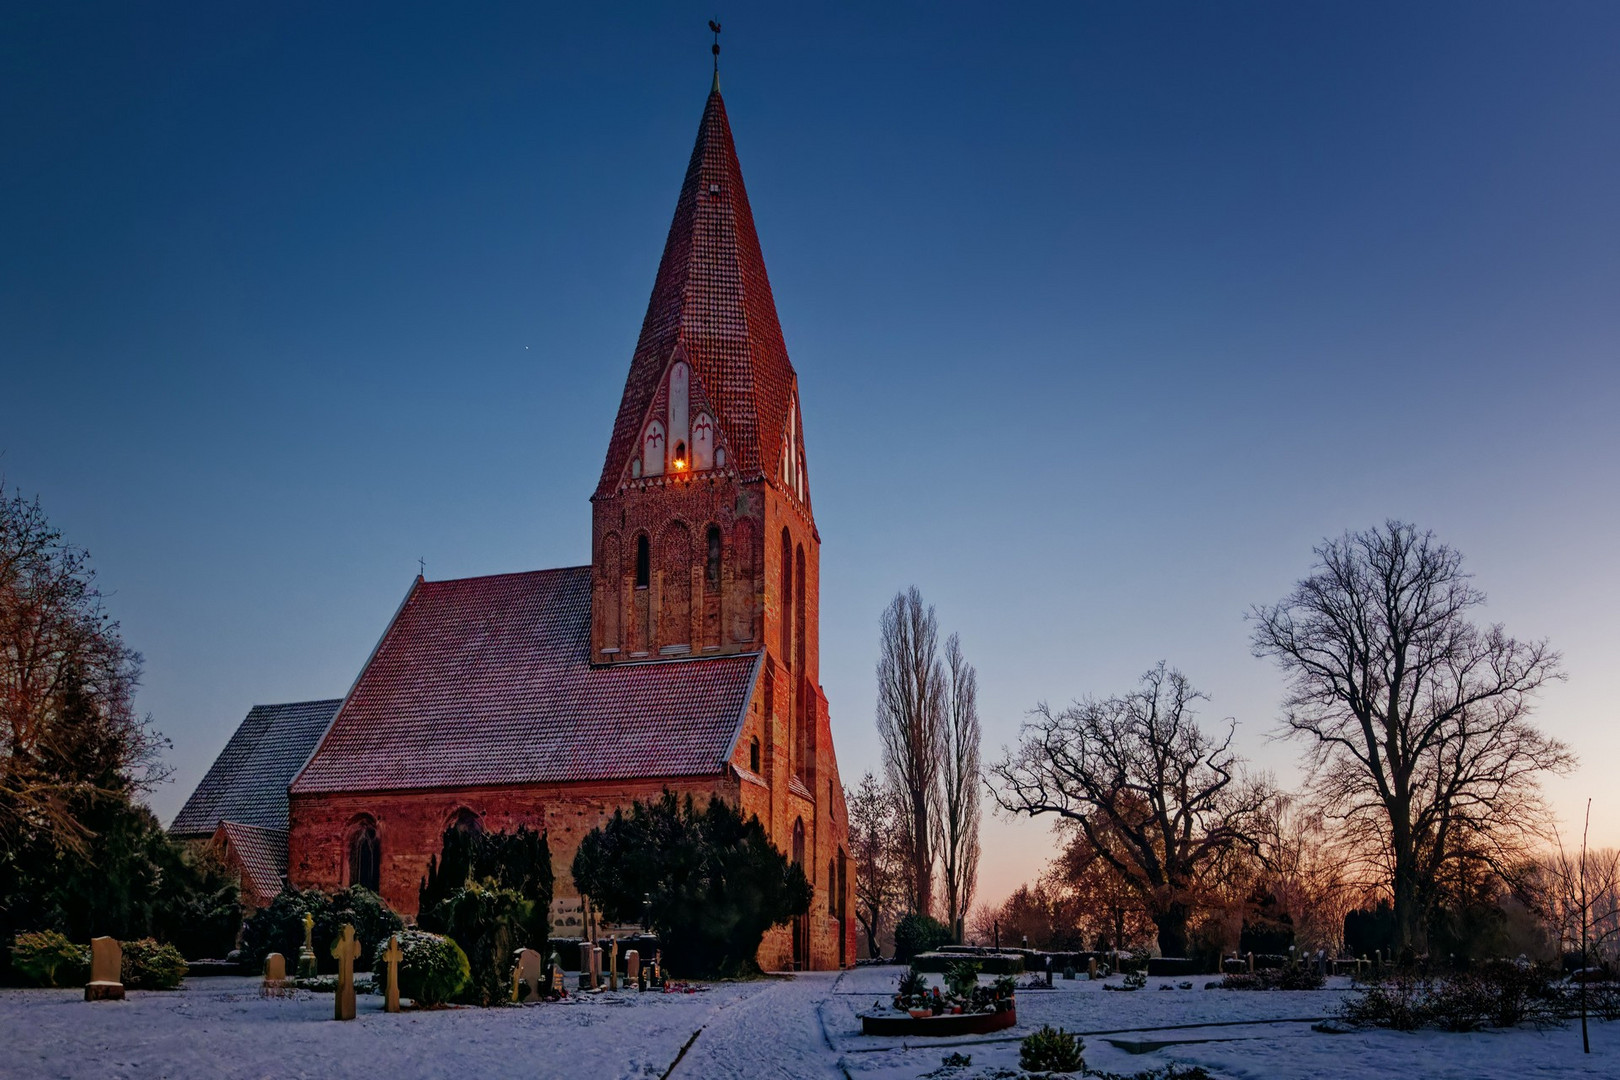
x=800 y=1027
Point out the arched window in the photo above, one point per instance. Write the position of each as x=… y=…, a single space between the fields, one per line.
x=679 y=462
x=798 y=610
x=711 y=565
x=787 y=597
x=643 y=562
x=798 y=843
x=832 y=887
x=466 y=822
x=365 y=855
x=753 y=756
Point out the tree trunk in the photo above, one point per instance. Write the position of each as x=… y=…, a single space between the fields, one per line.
x=922 y=857
x=1172 y=924
x=1411 y=938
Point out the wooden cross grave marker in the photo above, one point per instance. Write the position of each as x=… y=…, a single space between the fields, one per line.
x=345 y=950
x=392 y=956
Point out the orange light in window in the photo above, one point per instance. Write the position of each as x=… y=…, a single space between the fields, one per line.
x=680 y=464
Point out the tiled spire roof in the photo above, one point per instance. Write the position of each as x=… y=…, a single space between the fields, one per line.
x=712 y=298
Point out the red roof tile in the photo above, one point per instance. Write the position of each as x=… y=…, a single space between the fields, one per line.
x=485 y=681
x=263 y=855
x=713 y=298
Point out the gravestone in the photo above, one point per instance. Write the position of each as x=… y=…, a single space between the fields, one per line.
x=528 y=973
x=1251 y=963
x=275 y=976
x=106 y=970
x=1049 y=972
x=632 y=969
x=613 y=965
x=391 y=957
x=307 y=967
x=345 y=950
x=1091 y=969
x=596 y=967
x=585 y=982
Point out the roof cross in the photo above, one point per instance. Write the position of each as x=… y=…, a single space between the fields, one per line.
x=714 y=24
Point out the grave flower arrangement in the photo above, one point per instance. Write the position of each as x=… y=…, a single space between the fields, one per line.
x=962 y=993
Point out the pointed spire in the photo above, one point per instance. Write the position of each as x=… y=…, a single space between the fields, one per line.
x=712 y=299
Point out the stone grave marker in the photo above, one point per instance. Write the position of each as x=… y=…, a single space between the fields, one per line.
x=307 y=967
x=1250 y=962
x=391 y=957
x=1091 y=968
x=632 y=969
x=585 y=982
x=528 y=972
x=345 y=950
x=613 y=965
x=275 y=976
x=106 y=970
x=596 y=967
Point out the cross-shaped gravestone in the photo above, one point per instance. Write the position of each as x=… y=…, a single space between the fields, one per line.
x=345 y=950
x=307 y=968
x=391 y=957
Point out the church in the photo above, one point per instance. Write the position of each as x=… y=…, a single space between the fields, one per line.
x=684 y=656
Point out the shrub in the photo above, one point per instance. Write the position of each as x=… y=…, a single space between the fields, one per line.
x=488 y=923
x=152 y=965
x=47 y=958
x=1496 y=994
x=372 y=919
x=912 y=983
x=710 y=882
x=491 y=893
x=962 y=978
x=1051 y=1050
x=432 y=968
x=280 y=926
x=915 y=934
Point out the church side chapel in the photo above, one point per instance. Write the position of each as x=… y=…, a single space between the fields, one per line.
x=685 y=656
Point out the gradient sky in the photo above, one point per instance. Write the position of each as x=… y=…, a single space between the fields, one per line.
x=1103 y=316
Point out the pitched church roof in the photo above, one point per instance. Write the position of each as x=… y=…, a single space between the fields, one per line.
x=263 y=856
x=487 y=681
x=713 y=299
x=248 y=781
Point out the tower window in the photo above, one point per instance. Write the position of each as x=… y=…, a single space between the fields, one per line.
x=643 y=562
x=679 y=462
x=711 y=567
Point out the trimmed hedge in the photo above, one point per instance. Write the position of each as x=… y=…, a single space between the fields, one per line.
x=47 y=958
x=152 y=965
x=990 y=963
x=918 y=934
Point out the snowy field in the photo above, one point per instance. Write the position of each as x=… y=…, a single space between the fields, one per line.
x=803 y=1026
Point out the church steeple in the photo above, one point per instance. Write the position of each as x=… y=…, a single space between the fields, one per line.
x=711 y=304
x=703 y=539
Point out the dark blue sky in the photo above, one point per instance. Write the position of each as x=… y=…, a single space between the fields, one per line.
x=1103 y=315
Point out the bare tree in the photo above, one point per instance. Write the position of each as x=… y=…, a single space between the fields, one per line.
x=960 y=781
x=910 y=720
x=1416 y=719
x=69 y=732
x=1157 y=800
x=881 y=863
x=1585 y=908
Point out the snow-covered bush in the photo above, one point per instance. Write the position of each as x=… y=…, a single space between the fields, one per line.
x=152 y=965
x=1287 y=978
x=432 y=968
x=48 y=958
x=1051 y=1049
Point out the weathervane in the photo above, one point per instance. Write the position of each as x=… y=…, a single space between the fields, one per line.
x=714 y=24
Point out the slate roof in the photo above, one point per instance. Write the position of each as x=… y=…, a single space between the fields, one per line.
x=712 y=297
x=263 y=854
x=247 y=783
x=486 y=681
